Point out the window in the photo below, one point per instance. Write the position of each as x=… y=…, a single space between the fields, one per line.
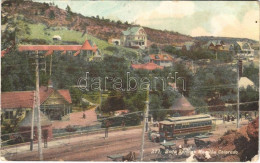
x=27 y=112
x=178 y=126
x=8 y=114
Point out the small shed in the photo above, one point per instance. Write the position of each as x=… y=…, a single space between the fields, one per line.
x=182 y=107
x=56 y=38
x=46 y=126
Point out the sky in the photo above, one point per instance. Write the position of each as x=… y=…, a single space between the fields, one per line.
x=196 y=18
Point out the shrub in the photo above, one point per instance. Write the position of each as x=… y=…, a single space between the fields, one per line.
x=70 y=128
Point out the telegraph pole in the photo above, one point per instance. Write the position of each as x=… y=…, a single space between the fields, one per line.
x=238 y=77
x=50 y=65
x=100 y=100
x=38 y=108
x=32 y=122
x=145 y=121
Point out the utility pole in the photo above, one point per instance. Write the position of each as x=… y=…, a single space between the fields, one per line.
x=100 y=100
x=32 y=122
x=50 y=65
x=145 y=121
x=238 y=77
x=38 y=108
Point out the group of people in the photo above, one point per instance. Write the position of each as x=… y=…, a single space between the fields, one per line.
x=229 y=118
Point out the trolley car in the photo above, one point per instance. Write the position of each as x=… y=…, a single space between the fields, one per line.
x=186 y=126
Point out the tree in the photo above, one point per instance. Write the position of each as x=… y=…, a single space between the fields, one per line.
x=52 y=15
x=156 y=107
x=215 y=85
x=114 y=102
x=119 y=22
x=251 y=72
x=84 y=105
x=154 y=49
x=69 y=13
x=249 y=95
x=12 y=125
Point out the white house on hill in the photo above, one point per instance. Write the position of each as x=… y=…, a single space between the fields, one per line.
x=134 y=37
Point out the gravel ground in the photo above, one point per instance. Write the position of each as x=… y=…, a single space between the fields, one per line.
x=96 y=148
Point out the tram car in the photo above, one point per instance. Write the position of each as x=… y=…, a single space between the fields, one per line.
x=186 y=126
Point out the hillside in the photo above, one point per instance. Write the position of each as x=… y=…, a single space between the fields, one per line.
x=52 y=16
x=225 y=39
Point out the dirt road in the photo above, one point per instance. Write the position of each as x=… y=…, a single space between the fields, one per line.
x=96 y=148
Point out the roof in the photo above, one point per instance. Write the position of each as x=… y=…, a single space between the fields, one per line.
x=161 y=57
x=86 y=46
x=26 y=122
x=242 y=45
x=56 y=36
x=186 y=119
x=214 y=43
x=217 y=42
x=132 y=30
x=189 y=44
x=147 y=66
x=24 y=99
x=244 y=82
x=182 y=104
x=3 y=53
x=66 y=95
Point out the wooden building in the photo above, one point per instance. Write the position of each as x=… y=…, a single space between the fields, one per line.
x=55 y=104
x=135 y=37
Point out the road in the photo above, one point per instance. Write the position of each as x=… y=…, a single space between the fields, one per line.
x=96 y=148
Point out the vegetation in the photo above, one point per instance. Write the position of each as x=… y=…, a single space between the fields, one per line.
x=215 y=85
x=251 y=71
x=249 y=95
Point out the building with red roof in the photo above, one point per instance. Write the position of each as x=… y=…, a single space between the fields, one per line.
x=164 y=60
x=55 y=104
x=147 y=66
x=87 y=47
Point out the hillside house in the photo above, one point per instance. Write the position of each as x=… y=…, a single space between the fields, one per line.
x=177 y=46
x=216 y=45
x=164 y=60
x=134 y=37
x=55 y=104
x=188 y=46
x=243 y=49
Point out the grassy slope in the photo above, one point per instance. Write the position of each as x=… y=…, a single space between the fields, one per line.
x=40 y=31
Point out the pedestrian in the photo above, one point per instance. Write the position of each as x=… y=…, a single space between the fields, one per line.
x=123 y=124
x=84 y=116
x=107 y=123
